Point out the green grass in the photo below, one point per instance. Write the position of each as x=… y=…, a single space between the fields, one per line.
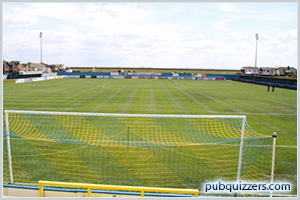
x=266 y=112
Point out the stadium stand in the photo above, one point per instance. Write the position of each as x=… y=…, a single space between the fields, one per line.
x=273 y=81
x=226 y=76
x=146 y=75
x=84 y=73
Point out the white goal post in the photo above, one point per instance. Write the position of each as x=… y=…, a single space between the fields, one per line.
x=188 y=149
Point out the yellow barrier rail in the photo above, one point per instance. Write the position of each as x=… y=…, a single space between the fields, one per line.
x=89 y=188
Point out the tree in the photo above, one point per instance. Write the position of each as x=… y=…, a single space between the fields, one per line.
x=16 y=62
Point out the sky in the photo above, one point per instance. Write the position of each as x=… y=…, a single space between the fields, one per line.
x=168 y=35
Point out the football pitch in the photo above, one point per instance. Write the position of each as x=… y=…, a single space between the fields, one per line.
x=266 y=112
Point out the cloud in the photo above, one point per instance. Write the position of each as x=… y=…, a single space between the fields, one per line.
x=231 y=8
x=16 y=17
x=136 y=34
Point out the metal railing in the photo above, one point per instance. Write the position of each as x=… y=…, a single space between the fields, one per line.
x=89 y=188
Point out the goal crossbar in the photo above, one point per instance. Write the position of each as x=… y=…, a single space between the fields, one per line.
x=126 y=115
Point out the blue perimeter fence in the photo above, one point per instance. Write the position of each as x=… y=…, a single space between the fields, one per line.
x=271 y=81
x=281 y=82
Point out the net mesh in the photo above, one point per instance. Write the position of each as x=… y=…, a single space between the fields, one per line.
x=152 y=150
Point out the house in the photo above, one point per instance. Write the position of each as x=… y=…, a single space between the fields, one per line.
x=39 y=67
x=16 y=67
x=267 y=71
x=250 y=70
x=57 y=67
x=286 y=71
x=7 y=67
x=13 y=67
x=19 y=68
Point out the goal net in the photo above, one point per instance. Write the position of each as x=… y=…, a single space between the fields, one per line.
x=177 y=151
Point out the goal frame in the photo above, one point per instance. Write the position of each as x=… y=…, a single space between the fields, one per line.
x=243 y=117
